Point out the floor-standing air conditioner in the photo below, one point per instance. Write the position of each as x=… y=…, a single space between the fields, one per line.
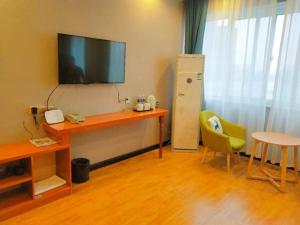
x=187 y=102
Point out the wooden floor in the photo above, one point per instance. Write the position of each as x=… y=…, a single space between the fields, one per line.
x=175 y=190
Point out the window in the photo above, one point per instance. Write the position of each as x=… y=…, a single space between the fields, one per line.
x=248 y=62
x=275 y=56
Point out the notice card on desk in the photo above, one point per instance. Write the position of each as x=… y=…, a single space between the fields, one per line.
x=40 y=142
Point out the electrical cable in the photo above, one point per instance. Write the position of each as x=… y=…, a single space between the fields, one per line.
x=120 y=100
x=27 y=130
x=36 y=123
x=47 y=104
x=118 y=93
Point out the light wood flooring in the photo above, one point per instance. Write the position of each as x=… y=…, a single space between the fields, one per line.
x=175 y=190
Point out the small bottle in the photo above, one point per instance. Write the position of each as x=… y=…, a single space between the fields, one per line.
x=139 y=104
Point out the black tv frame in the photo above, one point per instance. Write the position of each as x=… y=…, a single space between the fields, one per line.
x=92 y=38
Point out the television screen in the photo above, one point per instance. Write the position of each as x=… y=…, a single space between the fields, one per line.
x=85 y=60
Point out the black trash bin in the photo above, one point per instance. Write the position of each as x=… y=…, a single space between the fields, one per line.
x=80 y=170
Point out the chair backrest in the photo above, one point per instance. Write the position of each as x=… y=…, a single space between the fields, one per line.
x=211 y=138
x=205 y=126
x=204 y=116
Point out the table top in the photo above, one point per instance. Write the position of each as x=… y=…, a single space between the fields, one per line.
x=104 y=120
x=276 y=138
x=25 y=149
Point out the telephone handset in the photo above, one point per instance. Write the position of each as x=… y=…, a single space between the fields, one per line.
x=74 y=118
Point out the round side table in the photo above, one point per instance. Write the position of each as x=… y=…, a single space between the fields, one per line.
x=279 y=139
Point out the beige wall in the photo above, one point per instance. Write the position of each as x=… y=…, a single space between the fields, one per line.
x=28 y=65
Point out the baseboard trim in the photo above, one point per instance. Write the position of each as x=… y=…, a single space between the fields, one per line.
x=148 y=149
x=184 y=150
x=119 y=158
x=268 y=161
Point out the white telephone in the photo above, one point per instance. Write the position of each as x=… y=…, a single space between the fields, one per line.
x=74 y=118
x=57 y=116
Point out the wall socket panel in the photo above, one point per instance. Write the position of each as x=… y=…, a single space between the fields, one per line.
x=127 y=100
x=41 y=109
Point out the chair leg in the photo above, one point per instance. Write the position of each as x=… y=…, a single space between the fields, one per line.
x=228 y=162
x=204 y=154
x=215 y=153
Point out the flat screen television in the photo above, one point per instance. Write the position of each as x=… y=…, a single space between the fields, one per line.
x=84 y=60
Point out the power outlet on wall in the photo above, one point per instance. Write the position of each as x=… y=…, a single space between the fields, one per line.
x=40 y=109
x=127 y=100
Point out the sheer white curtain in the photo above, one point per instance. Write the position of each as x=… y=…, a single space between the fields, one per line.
x=238 y=44
x=252 y=66
x=285 y=108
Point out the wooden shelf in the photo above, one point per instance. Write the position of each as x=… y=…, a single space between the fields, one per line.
x=17 y=201
x=13 y=197
x=53 y=192
x=25 y=149
x=17 y=192
x=14 y=180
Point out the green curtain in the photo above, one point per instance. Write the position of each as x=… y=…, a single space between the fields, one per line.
x=195 y=19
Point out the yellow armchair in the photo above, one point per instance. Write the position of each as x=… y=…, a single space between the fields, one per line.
x=231 y=140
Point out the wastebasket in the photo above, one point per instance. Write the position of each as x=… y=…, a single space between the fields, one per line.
x=80 y=170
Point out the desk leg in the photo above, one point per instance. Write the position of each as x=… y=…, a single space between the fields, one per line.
x=283 y=168
x=161 y=134
x=65 y=139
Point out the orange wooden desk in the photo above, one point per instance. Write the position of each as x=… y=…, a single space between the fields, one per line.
x=62 y=131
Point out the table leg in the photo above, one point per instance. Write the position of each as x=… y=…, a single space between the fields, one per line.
x=253 y=152
x=296 y=163
x=161 y=126
x=283 y=168
x=263 y=155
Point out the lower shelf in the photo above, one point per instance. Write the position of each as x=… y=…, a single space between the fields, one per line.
x=18 y=201
x=48 y=184
x=11 y=198
x=53 y=193
x=14 y=180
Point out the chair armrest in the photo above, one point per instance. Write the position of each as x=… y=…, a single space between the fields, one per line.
x=215 y=140
x=232 y=129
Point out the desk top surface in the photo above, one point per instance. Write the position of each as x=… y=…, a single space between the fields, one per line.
x=277 y=138
x=104 y=120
